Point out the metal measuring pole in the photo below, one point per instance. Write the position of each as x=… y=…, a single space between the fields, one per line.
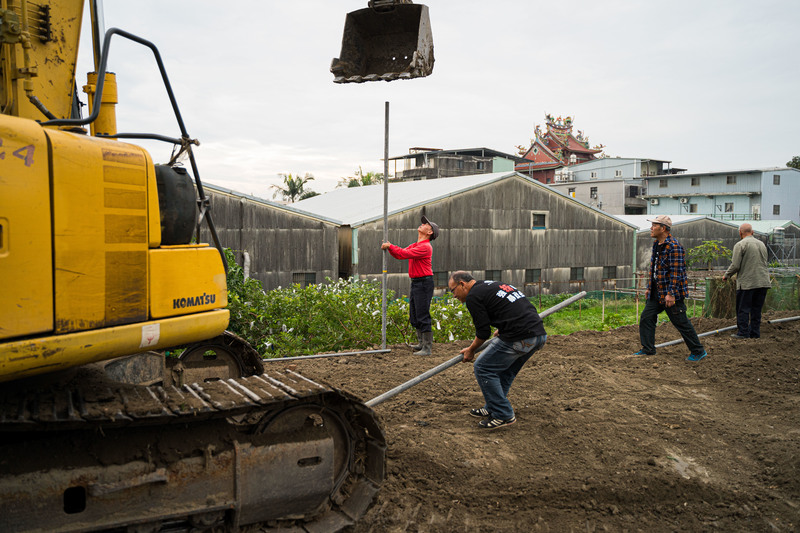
x=385 y=223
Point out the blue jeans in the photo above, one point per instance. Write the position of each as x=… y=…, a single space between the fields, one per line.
x=497 y=366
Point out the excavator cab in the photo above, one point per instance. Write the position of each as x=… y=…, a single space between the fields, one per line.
x=389 y=40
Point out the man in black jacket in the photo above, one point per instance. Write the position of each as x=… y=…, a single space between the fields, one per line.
x=520 y=333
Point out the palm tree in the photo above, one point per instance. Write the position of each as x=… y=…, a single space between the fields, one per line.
x=361 y=179
x=293 y=188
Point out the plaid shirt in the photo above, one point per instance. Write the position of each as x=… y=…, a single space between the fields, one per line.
x=669 y=270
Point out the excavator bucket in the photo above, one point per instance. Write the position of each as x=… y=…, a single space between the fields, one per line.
x=387 y=43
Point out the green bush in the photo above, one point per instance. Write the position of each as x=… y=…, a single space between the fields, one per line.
x=340 y=315
x=707 y=252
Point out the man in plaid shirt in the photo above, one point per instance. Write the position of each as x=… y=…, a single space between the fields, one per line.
x=667 y=291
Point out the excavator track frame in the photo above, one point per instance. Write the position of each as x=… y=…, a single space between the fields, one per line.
x=277 y=449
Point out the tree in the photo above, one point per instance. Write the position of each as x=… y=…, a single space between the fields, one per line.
x=794 y=163
x=707 y=253
x=294 y=188
x=308 y=194
x=361 y=179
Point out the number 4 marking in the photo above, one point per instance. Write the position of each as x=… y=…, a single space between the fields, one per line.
x=26 y=154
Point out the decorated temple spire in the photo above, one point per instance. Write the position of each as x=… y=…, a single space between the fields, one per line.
x=556 y=147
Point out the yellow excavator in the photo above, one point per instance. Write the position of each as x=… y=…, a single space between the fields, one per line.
x=101 y=276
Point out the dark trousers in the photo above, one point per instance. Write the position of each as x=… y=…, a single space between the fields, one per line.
x=419 y=303
x=748 y=311
x=676 y=315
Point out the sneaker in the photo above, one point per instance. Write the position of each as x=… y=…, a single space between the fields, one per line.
x=697 y=357
x=494 y=423
x=737 y=336
x=642 y=352
x=479 y=413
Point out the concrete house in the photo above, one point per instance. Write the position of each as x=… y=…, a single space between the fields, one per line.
x=766 y=194
x=612 y=184
x=432 y=163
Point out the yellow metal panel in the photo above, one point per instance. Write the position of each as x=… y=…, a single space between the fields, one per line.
x=100 y=208
x=51 y=58
x=186 y=279
x=153 y=211
x=38 y=356
x=129 y=173
x=26 y=274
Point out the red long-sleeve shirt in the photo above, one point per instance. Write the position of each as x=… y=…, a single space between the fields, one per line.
x=419 y=257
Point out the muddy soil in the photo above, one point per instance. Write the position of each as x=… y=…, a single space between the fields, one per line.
x=604 y=440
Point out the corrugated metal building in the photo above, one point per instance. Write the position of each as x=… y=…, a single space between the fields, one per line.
x=285 y=245
x=500 y=226
x=690 y=231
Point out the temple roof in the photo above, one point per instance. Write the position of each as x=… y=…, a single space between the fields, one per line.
x=558 y=143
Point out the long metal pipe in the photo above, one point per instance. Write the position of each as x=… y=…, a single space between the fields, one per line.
x=707 y=333
x=321 y=355
x=457 y=359
x=778 y=320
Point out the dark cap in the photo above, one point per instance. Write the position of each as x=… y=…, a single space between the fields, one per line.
x=433 y=226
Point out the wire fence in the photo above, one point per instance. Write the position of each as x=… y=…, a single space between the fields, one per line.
x=635 y=287
x=715 y=298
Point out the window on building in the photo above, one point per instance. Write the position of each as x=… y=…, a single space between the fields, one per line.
x=419 y=161
x=776 y=179
x=571 y=192
x=693 y=208
x=662 y=184
x=533 y=275
x=617 y=173
x=593 y=193
x=440 y=279
x=460 y=163
x=609 y=272
x=776 y=209
x=492 y=275
x=538 y=220
x=633 y=191
x=695 y=181
x=576 y=273
x=304 y=279
x=729 y=207
x=593 y=174
x=481 y=165
x=730 y=180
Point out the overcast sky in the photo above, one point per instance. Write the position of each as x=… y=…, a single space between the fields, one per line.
x=708 y=85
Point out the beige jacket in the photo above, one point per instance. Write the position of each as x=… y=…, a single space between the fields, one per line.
x=750 y=263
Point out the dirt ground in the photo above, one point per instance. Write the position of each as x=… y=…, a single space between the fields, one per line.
x=604 y=441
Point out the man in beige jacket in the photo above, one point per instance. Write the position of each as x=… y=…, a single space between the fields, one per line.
x=749 y=263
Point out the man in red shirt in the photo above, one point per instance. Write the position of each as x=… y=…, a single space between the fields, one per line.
x=419 y=257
